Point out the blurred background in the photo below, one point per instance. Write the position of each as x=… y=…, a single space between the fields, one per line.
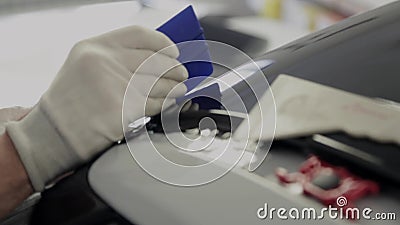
x=36 y=35
x=307 y=14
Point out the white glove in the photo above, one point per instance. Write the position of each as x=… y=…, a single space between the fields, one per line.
x=80 y=115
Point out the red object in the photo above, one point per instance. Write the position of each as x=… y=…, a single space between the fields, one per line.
x=349 y=185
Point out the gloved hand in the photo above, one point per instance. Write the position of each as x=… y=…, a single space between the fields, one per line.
x=80 y=114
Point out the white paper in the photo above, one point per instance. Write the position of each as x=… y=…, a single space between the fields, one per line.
x=304 y=108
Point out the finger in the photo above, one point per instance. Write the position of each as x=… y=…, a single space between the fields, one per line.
x=195 y=107
x=141 y=38
x=186 y=106
x=154 y=87
x=148 y=62
x=155 y=105
x=168 y=88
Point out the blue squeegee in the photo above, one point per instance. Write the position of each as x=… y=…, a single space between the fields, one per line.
x=186 y=27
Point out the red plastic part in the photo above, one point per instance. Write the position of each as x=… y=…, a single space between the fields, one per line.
x=350 y=186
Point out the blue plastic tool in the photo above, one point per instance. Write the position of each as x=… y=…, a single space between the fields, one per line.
x=186 y=27
x=195 y=56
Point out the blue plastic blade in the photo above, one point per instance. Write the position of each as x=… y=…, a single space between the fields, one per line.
x=186 y=27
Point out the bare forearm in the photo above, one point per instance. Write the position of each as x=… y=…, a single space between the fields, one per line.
x=15 y=186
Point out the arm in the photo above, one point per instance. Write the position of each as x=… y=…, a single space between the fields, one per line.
x=15 y=186
x=80 y=115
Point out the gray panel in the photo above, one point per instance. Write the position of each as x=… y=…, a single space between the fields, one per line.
x=233 y=199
